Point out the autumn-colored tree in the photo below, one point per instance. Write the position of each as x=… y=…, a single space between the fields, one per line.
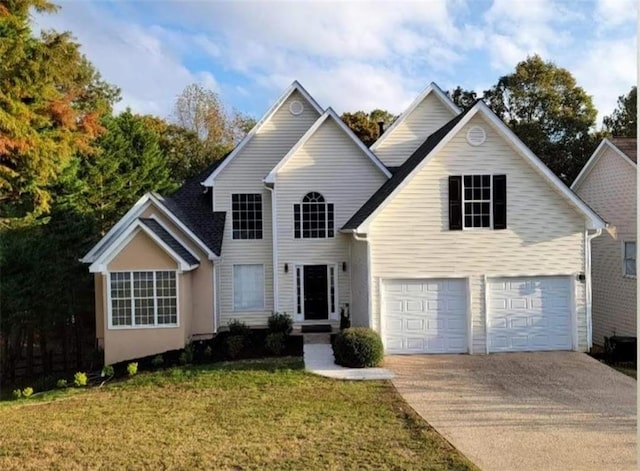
x=365 y=125
x=51 y=103
x=623 y=122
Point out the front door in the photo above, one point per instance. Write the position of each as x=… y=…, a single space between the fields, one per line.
x=316 y=305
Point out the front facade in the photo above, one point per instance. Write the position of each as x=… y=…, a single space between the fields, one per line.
x=447 y=236
x=608 y=184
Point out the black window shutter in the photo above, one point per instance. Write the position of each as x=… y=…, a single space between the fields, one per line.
x=455 y=203
x=296 y=221
x=499 y=201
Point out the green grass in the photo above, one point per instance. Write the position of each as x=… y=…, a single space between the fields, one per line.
x=245 y=415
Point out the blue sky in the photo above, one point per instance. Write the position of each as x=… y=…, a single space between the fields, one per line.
x=350 y=55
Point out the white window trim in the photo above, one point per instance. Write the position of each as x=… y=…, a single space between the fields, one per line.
x=233 y=288
x=261 y=215
x=332 y=311
x=465 y=228
x=624 y=259
x=133 y=325
x=326 y=218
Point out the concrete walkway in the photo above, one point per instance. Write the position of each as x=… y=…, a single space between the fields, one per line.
x=318 y=359
x=525 y=411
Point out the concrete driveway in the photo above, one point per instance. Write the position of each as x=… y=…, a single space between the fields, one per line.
x=525 y=411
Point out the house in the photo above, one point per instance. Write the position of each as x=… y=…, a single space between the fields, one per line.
x=447 y=236
x=607 y=183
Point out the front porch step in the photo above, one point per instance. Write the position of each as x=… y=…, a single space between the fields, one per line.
x=323 y=338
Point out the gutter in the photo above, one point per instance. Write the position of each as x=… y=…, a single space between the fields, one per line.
x=588 y=291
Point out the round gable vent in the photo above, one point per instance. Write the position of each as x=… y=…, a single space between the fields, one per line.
x=296 y=108
x=476 y=136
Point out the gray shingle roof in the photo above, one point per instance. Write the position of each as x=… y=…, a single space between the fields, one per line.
x=168 y=239
x=628 y=146
x=401 y=173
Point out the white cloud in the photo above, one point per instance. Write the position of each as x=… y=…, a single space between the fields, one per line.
x=613 y=13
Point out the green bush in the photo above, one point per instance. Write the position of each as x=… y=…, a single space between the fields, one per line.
x=182 y=359
x=17 y=394
x=188 y=352
x=27 y=393
x=107 y=372
x=275 y=342
x=157 y=361
x=235 y=345
x=358 y=347
x=132 y=368
x=280 y=323
x=80 y=379
x=237 y=327
x=208 y=353
x=61 y=384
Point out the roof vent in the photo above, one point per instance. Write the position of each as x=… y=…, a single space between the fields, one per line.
x=476 y=136
x=296 y=108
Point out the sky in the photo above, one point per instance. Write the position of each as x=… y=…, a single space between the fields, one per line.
x=350 y=55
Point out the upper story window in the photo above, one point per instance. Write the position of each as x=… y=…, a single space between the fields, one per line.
x=477 y=201
x=246 y=210
x=313 y=218
x=629 y=261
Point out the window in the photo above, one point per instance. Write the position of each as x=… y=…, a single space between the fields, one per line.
x=247 y=215
x=143 y=298
x=477 y=201
x=313 y=218
x=248 y=287
x=630 y=258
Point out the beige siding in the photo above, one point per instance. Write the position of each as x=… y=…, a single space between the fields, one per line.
x=244 y=174
x=332 y=164
x=610 y=189
x=359 y=270
x=142 y=253
x=426 y=118
x=545 y=236
x=99 y=291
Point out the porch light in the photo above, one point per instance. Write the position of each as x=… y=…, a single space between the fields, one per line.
x=344 y=266
x=286 y=268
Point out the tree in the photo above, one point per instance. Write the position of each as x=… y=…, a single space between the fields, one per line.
x=464 y=99
x=549 y=112
x=365 y=125
x=201 y=111
x=51 y=102
x=128 y=164
x=623 y=122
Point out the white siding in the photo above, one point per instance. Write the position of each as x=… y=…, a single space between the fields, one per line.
x=610 y=189
x=244 y=174
x=545 y=236
x=359 y=270
x=332 y=164
x=426 y=118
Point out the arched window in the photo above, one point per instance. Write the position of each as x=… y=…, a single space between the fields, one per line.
x=313 y=218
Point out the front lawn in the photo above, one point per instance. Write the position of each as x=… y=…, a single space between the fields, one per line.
x=267 y=414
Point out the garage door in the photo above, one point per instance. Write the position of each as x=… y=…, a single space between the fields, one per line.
x=425 y=316
x=529 y=314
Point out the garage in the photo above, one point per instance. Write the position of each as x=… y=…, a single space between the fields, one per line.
x=425 y=316
x=528 y=314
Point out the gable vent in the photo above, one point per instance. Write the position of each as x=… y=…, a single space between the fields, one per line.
x=296 y=108
x=476 y=136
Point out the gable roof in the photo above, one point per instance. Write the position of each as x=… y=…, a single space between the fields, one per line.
x=168 y=239
x=624 y=147
x=432 y=88
x=359 y=222
x=295 y=86
x=328 y=114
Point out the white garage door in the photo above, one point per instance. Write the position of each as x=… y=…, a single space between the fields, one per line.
x=529 y=314
x=425 y=316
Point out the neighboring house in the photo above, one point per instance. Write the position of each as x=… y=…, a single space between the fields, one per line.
x=607 y=183
x=447 y=236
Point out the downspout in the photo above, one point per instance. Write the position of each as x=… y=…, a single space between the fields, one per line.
x=369 y=279
x=588 y=294
x=274 y=243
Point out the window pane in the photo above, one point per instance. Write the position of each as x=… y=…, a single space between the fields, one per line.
x=247 y=216
x=477 y=201
x=630 y=267
x=630 y=250
x=248 y=287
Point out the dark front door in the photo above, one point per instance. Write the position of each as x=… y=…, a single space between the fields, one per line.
x=315 y=292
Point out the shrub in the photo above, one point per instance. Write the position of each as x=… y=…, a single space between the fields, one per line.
x=275 y=342
x=157 y=361
x=358 y=347
x=27 y=393
x=107 y=372
x=280 y=323
x=182 y=359
x=61 y=384
x=80 y=379
x=237 y=327
x=132 y=368
x=17 y=394
x=235 y=345
x=188 y=352
x=208 y=353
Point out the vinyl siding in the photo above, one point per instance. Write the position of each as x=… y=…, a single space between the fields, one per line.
x=610 y=189
x=244 y=174
x=332 y=164
x=410 y=237
x=359 y=270
x=426 y=118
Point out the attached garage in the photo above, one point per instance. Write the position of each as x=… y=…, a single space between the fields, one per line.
x=530 y=314
x=425 y=316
